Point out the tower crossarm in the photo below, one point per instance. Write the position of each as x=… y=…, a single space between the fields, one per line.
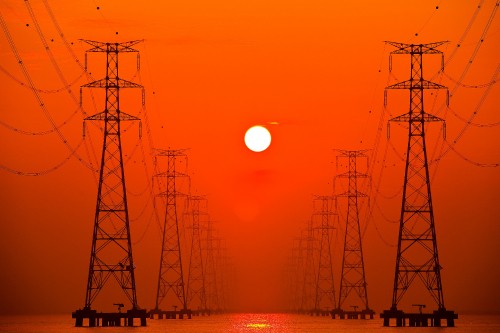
x=114 y=47
x=403 y=48
x=171 y=174
x=409 y=117
x=416 y=84
x=112 y=83
x=355 y=174
x=170 y=152
x=102 y=116
x=352 y=194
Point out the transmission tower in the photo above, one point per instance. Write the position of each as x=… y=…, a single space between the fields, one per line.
x=353 y=280
x=417 y=254
x=196 y=292
x=111 y=253
x=213 y=301
x=294 y=274
x=308 y=282
x=221 y=254
x=324 y=300
x=170 y=276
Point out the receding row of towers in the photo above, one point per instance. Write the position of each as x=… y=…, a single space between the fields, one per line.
x=111 y=259
x=417 y=261
x=312 y=266
x=198 y=291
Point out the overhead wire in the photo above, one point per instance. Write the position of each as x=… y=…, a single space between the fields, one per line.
x=56 y=66
x=38 y=133
x=89 y=147
x=471 y=123
x=45 y=171
x=459 y=83
x=469 y=120
x=466 y=32
x=43 y=91
x=468 y=160
x=41 y=103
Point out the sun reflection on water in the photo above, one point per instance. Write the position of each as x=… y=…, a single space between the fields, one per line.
x=261 y=323
x=258 y=325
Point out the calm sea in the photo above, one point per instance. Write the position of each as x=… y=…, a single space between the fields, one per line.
x=246 y=323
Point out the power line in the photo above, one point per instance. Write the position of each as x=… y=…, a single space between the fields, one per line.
x=38 y=97
x=45 y=171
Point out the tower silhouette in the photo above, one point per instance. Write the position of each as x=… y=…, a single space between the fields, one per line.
x=196 y=292
x=417 y=253
x=294 y=275
x=171 y=275
x=309 y=272
x=324 y=300
x=111 y=253
x=353 y=280
x=212 y=276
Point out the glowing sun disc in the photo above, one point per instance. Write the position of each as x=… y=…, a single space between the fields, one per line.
x=257 y=138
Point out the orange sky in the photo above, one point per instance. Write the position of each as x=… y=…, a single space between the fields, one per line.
x=212 y=69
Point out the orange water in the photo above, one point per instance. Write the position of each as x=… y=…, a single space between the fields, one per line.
x=246 y=322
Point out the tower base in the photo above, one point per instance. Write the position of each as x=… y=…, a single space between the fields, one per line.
x=106 y=319
x=162 y=314
x=363 y=314
x=419 y=319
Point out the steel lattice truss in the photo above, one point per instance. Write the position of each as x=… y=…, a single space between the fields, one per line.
x=325 y=288
x=171 y=276
x=353 y=281
x=308 y=282
x=417 y=254
x=214 y=298
x=111 y=254
x=196 y=291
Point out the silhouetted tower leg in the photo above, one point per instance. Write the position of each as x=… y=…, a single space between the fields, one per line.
x=417 y=254
x=324 y=300
x=353 y=291
x=171 y=277
x=196 y=292
x=111 y=254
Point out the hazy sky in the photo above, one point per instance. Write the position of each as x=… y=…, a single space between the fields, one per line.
x=313 y=72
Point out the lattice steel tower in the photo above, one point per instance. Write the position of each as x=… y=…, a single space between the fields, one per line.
x=353 y=280
x=196 y=285
x=325 y=298
x=211 y=274
x=417 y=254
x=309 y=272
x=171 y=276
x=111 y=254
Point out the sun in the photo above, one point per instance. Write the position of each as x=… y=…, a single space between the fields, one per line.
x=257 y=138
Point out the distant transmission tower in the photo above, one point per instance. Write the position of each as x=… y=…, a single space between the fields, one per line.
x=212 y=276
x=111 y=254
x=171 y=275
x=417 y=254
x=324 y=301
x=309 y=272
x=295 y=276
x=196 y=286
x=353 y=281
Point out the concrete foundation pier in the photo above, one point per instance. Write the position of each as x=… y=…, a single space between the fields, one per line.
x=106 y=319
x=410 y=319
